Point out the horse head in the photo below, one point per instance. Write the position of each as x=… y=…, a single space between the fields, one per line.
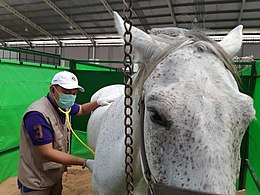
x=194 y=115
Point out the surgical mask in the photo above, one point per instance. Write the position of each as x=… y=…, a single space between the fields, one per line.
x=66 y=100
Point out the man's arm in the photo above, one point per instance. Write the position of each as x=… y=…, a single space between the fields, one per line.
x=87 y=107
x=49 y=153
x=90 y=106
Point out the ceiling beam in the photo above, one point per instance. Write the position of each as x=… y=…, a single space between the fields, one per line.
x=241 y=11
x=140 y=15
x=199 y=20
x=138 y=12
x=107 y=6
x=169 y=2
x=191 y=3
x=19 y=37
x=27 y=20
x=69 y=20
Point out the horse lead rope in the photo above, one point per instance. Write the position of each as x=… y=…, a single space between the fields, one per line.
x=128 y=99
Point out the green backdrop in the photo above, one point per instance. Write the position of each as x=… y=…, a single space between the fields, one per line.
x=20 y=85
x=254 y=140
x=250 y=171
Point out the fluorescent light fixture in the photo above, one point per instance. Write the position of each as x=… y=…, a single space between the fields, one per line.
x=109 y=41
x=108 y=37
x=245 y=37
x=16 y=43
x=44 y=42
x=76 y=41
x=251 y=37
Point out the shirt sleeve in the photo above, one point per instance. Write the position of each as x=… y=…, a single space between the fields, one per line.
x=38 y=128
x=74 y=109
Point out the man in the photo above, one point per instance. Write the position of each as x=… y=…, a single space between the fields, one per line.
x=45 y=138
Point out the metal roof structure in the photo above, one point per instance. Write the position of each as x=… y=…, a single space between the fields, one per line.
x=91 y=21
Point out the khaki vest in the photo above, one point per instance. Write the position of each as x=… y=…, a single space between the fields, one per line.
x=34 y=171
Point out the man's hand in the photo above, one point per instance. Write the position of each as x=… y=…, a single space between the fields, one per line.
x=104 y=101
x=89 y=164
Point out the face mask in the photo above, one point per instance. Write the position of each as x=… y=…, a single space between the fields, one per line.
x=66 y=100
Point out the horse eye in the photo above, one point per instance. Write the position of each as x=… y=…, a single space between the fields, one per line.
x=156 y=118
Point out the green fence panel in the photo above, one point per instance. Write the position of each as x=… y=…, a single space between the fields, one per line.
x=77 y=149
x=6 y=61
x=20 y=86
x=91 y=67
x=251 y=188
x=9 y=164
x=254 y=137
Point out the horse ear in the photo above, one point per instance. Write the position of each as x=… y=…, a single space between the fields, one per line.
x=119 y=23
x=140 y=41
x=232 y=42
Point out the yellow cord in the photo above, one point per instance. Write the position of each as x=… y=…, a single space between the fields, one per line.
x=70 y=128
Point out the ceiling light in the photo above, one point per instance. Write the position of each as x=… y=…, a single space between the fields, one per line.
x=26 y=29
x=71 y=27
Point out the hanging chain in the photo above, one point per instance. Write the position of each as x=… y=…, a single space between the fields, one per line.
x=128 y=98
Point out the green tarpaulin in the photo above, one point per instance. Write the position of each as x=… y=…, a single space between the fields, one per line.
x=20 y=85
x=254 y=141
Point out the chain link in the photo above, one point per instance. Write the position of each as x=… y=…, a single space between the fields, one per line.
x=128 y=98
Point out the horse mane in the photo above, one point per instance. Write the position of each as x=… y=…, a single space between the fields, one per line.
x=213 y=47
x=176 y=38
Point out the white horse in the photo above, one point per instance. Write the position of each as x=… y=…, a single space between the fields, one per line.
x=194 y=115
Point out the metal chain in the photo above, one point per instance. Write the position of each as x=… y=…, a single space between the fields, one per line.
x=128 y=97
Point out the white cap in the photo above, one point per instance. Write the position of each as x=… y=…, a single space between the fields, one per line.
x=67 y=80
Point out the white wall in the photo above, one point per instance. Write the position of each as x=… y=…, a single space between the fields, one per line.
x=116 y=52
x=8 y=55
x=52 y=50
x=86 y=53
x=251 y=49
x=78 y=53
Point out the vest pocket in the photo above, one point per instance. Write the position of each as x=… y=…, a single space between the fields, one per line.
x=58 y=142
x=51 y=174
